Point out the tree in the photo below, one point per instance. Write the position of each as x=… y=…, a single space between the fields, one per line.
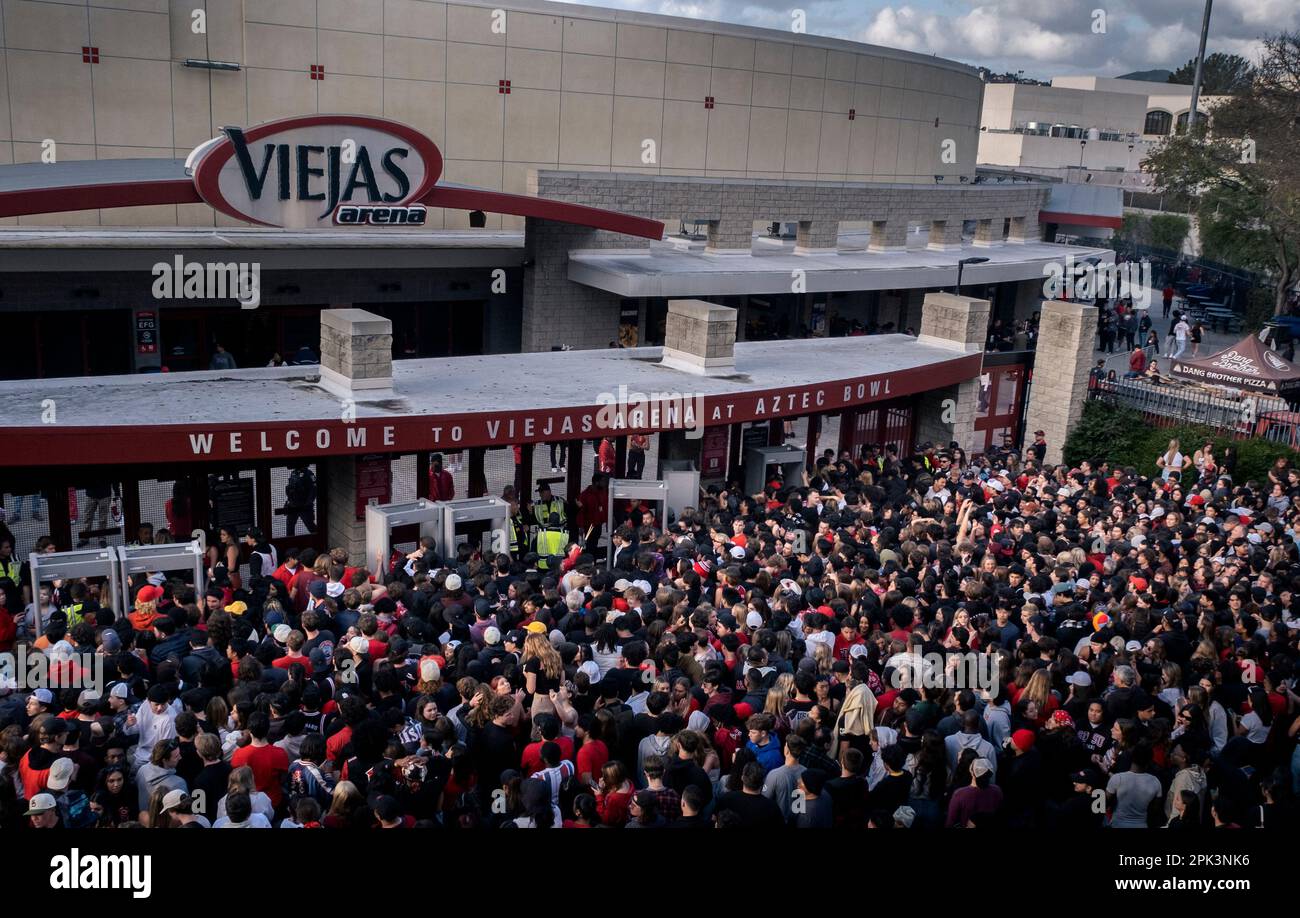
x=1222 y=75
x=1169 y=231
x=1245 y=173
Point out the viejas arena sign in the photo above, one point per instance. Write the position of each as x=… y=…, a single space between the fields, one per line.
x=305 y=172
x=318 y=170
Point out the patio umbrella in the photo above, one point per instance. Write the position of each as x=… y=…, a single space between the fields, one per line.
x=1247 y=365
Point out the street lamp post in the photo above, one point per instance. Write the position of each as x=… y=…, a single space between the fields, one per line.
x=973 y=260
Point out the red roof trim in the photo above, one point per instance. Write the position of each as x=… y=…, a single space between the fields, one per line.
x=1052 y=216
x=48 y=445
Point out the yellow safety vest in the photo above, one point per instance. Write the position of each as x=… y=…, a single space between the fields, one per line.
x=518 y=534
x=11 y=569
x=73 y=612
x=550 y=542
x=543 y=512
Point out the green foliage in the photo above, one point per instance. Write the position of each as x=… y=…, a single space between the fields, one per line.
x=1117 y=428
x=1135 y=229
x=1168 y=231
x=1244 y=168
x=1121 y=436
x=1222 y=75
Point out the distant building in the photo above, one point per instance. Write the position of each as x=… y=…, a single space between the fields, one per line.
x=1085 y=129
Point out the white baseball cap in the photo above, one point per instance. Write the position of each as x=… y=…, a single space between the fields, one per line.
x=754 y=620
x=281 y=633
x=41 y=803
x=453 y=582
x=592 y=670
x=61 y=773
x=492 y=634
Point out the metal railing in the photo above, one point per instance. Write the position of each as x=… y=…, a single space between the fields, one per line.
x=1170 y=404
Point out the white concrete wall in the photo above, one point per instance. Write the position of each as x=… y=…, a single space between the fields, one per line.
x=588 y=86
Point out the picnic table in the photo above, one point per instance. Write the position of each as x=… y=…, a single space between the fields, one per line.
x=1216 y=314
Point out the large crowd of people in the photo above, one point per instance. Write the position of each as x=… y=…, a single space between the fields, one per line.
x=893 y=642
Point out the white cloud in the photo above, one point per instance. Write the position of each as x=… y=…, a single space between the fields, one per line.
x=1041 y=37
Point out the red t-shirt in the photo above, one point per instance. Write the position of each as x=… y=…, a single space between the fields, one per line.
x=284 y=575
x=531 y=761
x=269 y=763
x=592 y=758
x=335 y=744
x=286 y=661
x=302 y=583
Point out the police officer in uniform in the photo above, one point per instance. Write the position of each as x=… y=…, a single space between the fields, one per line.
x=547 y=507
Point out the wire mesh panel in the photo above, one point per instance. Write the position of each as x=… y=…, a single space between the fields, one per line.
x=165 y=505
x=232 y=506
x=404 y=480
x=28 y=518
x=294 y=500
x=95 y=512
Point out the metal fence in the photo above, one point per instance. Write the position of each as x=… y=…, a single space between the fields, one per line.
x=1169 y=404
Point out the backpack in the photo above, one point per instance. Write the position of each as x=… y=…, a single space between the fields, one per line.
x=301 y=488
x=74 y=806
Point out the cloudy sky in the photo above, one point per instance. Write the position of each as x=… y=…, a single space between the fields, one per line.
x=1041 y=37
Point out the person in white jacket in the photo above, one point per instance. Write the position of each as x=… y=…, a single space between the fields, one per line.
x=153 y=721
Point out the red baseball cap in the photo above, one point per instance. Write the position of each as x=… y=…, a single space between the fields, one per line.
x=149 y=594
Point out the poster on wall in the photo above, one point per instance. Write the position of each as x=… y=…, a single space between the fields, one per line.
x=374 y=482
x=713 y=453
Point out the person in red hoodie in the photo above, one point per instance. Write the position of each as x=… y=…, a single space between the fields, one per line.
x=8 y=627
x=146 y=608
x=441 y=486
x=288 y=568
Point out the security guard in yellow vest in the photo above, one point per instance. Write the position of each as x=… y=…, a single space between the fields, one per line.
x=551 y=540
x=11 y=569
x=518 y=523
x=548 y=507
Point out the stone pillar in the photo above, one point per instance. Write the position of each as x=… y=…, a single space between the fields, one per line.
x=888 y=235
x=945 y=235
x=816 y=236
x=729 y=235
x=988 y=232
x=1065 y=336
x=356 y=353
x=1024 y=229
x=341 y=523
x=947 y=414
x=700 y=338
x=950 y=320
